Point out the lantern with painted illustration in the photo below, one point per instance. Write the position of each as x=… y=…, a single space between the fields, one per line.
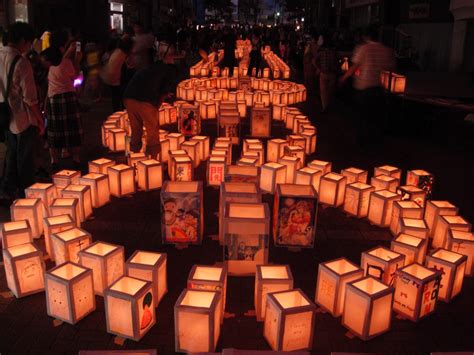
x=434 y=209
x=414 y=248
x=325 y=166
x=197 y=315
x=68 y=243
x=384 y=182
x=204 y=144
x=421 y=179
x=151 y=267
x=54 y=225
x=389 y=171
x=332 y=189
x=15 y=233
x=291 y=164
x=149 y=174
x=308 y=176
x=69 y=292
x=192 y=149
x=84 y=198
x=381 y=206
x=30 y=209
x=107 y=262
x=277 y=110
x=275 y=149
x=116 y=139
x=68 y=206
x=45 y=191
x=100 y=165
x=269 y=279
x=381 y=263
x=413 y=226
x=310 y=137
x=412 y=193
x=272 y=174
x=289 y=321
x=356 y=200
x=404 y=209
x=444 y=224
x=121 y=180
x=416 y=291
x=100 y=190
x=368 y=308
x=175 y=140
x=129 y=308
x=216 y=170
x=64 y=178
x=333 y=277
x=355 y=175
x=463 y=243
x=260 y=122
x=296 y=151
x=24 y=269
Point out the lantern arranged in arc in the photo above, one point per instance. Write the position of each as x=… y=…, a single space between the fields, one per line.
x=54 y=225
x=275 y=149
x=414 y=226
x=298 y=152
x=175 y=140
x=216 y=170
x=149 y=174
x=67 y=244
x=444 y=224
x=134 y=158
x=384 y=182
x=355 y=175
x=381 y=263
x=311 y=139
x=260 y=122
x=44 y=191
x=30 y=209
x=68 y=206
x=272 y=174
x=308 y=176
x=421 y=179
x=356 y=200
x=434 y=209
x=237 y=173
x=204 y=146
x=463 y=243
x=325 y=166
x=381 y=206
x=15 y=233
x=181 y=168
x=64 y=178
x=333 y=277
x=84 y=199
x=414 y=248
x=332 y=189
x=404 y=209
x=192 y=148
x=100 y=191
x=412 y=193
x=116 y=139
x=121 y=180
x=100 y=166
x=389 y=171
x=291 y=164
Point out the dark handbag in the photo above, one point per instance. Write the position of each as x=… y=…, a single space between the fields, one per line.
x=5 y=113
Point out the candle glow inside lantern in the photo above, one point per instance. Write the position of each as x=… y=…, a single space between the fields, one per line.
x=421 y=179
x=381 y=206
x=129 y=308
x=404 y=209
x=121 y=180
x=151 y=267
x=332 y=189
x=444 y=224
x=463 y=243
x=414 y=248
x=416 y=291
x=452 y=266
x=68 y=243
x=100 y=166
x=289 y=321
x=216 y=170
x=84 y=197
x=356 y=200
x=291 y=164
x=355 y=175
x=192 y=149
x=275 y=149
x=368 y=308
x=15 y=233
x=69 y=292
x=236 y=173
x=197 y=316
x=268 y=279
x=381 y=263
x=204 y=146
x=64 y=178
x=54 y=225
x=150 y=174
x=68 y=206
x=311 y=139
x=389 y=171
x=260 y=122
x=298 y=152
x=208 y=110
x=100 y=191
x=116 y=139
x=176 y=139
x=434 y=209
x=308 y=176
x=272 y=174
x=134 y=158
x=384 y=182
x=24 y=269
x=412 y=193
x=278 y=111
x=106 y=261
x=414 y=226
x=181 y=168
x=30 y=209
x=333 y=277
x=46 y=192
x=325 y=166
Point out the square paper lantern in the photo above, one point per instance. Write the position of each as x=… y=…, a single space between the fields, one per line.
x=45 y=192
x=257 y=148
x=311 y=139
x=54 y=225
x=208 y=110
x=332 y=189
x=134 y=158
x=69 y=292
x=84 y=196
x=247 y=162
x=64 y=178
x=414 y=248
x=269 y=279
x=295 y=211
x=421 y=179
x=129 y=308
x=444 y=224
x=151 y=267
x=30 y=209
x=368 y=308
x=384 y=182
x=416 y=291
x=412 y=193
x=68 y=206
x=15 y=233
x=355 y=175
x=100 y=191
x=333 y=277
x=107 y=262
x=278 y=111
x=121 y=180
x=105 y=129
x=192 y=149
x=289 y=321
x=452 y=267
x=434 y=209
x=463 y=243
x=272 y=174
x=68 y=243
x=356 y=200
x=291 y=164
x=236 y=173
x=381 y=263
x=260 y=122
x=246 y=229
x=297 y=140
x=100 y=166
x=296 y=151
x=116 y=139
x=242 y=108
x=24 y=269
x=414 y=226
x=176 y=139
x=150 y=174
x=381 y=206
x=181 y=168
x=197 y=318
x=389 y=171
x=216 y=170
x=174 y=153
x=404 y=209
x=397 y=83
x=308 y=176
x=204 y=144
x=325 y=166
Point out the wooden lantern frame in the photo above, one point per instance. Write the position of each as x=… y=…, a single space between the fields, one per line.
x=433 y=209
x=124 y=169
x=277 y=176
x=387 y=198
x=144 y=169
x=82 y=237
x=402 y=209
x=66 y=205
x=340 y=183
x=83 y=193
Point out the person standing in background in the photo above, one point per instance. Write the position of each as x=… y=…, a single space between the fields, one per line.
x=255 y=54
x=327 y=65
x=142 y=47
x=309 y=64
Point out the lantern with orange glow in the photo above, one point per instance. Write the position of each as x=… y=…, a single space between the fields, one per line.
x=175 y=153
x=100 y=165
x=368 y=308
x=257 y=148
x=151 y=267
x=416 y=291
x=300 y=121
x=116 y=139
x=356 y=200
x=15 y=233
x=46 y=192
x=412 y=193
x=381 y=206
x=291 y=164
x=216 y=170
x=134 y=158
x=421 y=179
x=204 y=144
x=381 y=263
x=69 y=292
x=99 y=185
x=175 y=140
x=272 y=174
x=289 y=321
x=434 y=209
x=70 y=206
x=181 y=168
x=277 y=110
x=275 y=149
x=236 y=173
x=201 y=95
x=397 y=83
x=105 y=128
x=413 y=226
x=192 y=149
x=463 y=243
x=84 y=199
x=308 y=176
x=225 y=146
x=242 y=108
x=149 y=174
x=260 y=122
x=64 y=178
x=384 y=182
x=54 y=225
x=389 y=171
x=165 y=150
x=107 y=262
x=384 y=79
x=298 y=152
x=414 y=248
x=355 y=175
x=68 y=243
x=404 y=209
x=310 y=137
x=30 y=209
x=332 y=189
x=248 y=161
x=208 y=110
x=333 y=277
x=444 y=224
x=325 y=166
x=121 y=180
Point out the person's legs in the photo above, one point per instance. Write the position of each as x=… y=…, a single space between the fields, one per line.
x=26 y=166
x=10 y=175
x=150 y=121
x=116 y=93
x=136 y=124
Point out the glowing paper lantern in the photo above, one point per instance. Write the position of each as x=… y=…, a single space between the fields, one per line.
x=134 y=158
x=165 y=149
x=421 y=179
x=355 y=175
x=381 y=263
x=121 y=180
x=434 y=209
x=260 y=122
x=24 y=269
x=64 y=178
x=116 y=139
x=389 y=171
x=381 y=206
x=310 y=137
x=225 y=146
x=242 y=108
x=236 y=173
x=308 y=176
x=15 y=233
x=100 y=165
x=192 y=149
x=176 y=139
x=45 y=192
x=325 y=166
x=197 y=315
x=289 y=321
x=463 y=243
x=70 y=206
x=68 y=243
x=54 y=225
x=99 y=185
x=368 y=308
x=278 y=111
x=30 y=209
x=204 y=143
x=397 y=84
x=299 y=122
x=404 y=209
x=149 y=267
x=269 y=279
x=332 y=189
x=412 y=247
x=414 y=226
x=84 y=199
x=208 y=110
x=444 y=224
x=333 y=277
x=244 y=161
x=106 y=127
x=149 y=174
x=69 y=292
x=175 y=153
x=216 y=170
x=291 y=164
x=257 y=148
x=106 y=261
x=272 y=174
x=356 y=200
x=416 y=291
x=384 y=182
x=296 y=151
x=412 y=193
x=181 y=168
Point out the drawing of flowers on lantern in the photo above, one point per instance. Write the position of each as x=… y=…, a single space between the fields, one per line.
x=181 y=219
x=147 y=316
x=296 y=222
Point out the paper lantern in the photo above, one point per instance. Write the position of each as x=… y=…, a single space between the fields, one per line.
x=248 y=96
x=248 y=142
x=64 y=178
x=384 y=79
x=106 y=127
x=404 y=209
x=294 y=215
x=236 y=173
x=434 y=209
x=149 y=175
x=389 y=171
x=269 y=279
x=181 y=168
x=257 y=148
x=208 y=110
x=68 y=243
x=220 y=154
x=116 y=139
x=291 y=164
x=416 y=291
x=414 y=226
x=175 y=153
x=134 y=158
x=192 y=149
x=299 y=121
x=106 y=261
x=242 y=108
x=204 y=143
x=54 y=225
x=30 y=209
x=397 y=84
x=289 y=321
x=356 y=200
x=24 y=269
x=332 y=189
x=384 y=182
x=308 y=176
x=325 y=166
x=444 y=224
x=260 y=122
x=368 y=308
x=176 y=139
x=452 y=267
x=381 y=206
x=121 y=180
x=412 y=193
x=381 y=263
x=15 y=233
x=355 y=175
x=298 y=152
x=70 y=206
x=99 y=185
x=165 y=149
x=310 y=137
x=84 y=199
x=414 y=248
x=463 y=243
x=197 y=316
x=149 y=267
x=129 y=308
x=225 y=146
x=278 y=111
x=290 y=118
x=247 y=162
x=69 y=292
x=272 y=174
x=246 y=228
x=333 y=277
x=45 y=192
x=421 y=179
x=100 y=166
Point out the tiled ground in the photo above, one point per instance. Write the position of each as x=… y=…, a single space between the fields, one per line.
x=443 y=146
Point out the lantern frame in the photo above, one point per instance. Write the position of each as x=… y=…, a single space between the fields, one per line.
x=434 y=209
x=97 y=183
x=145 y=169
x=84 y=196
x=413 y=247
x=215 y=161
x=402 y=209
x=445 y=223
x=388 y=170
x=412 y=193
x=15 y=233
x=260 y=122
x=414 y=226
x=240 y=173
x=355 y=175
x=325 y=166
x=360 y=192
x=291 y=164
x=45 y=191
x=339 y=182
x=118 y=172
x=462 y=243
x=34 y=209
x=62 y=241
x=277 y=176
x=386 y=199
x=100 y=165
x=386 y=266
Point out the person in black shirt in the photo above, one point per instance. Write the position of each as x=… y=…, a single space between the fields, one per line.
x=229 y=52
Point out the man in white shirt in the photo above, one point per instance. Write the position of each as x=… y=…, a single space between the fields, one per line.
x=26 y=121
